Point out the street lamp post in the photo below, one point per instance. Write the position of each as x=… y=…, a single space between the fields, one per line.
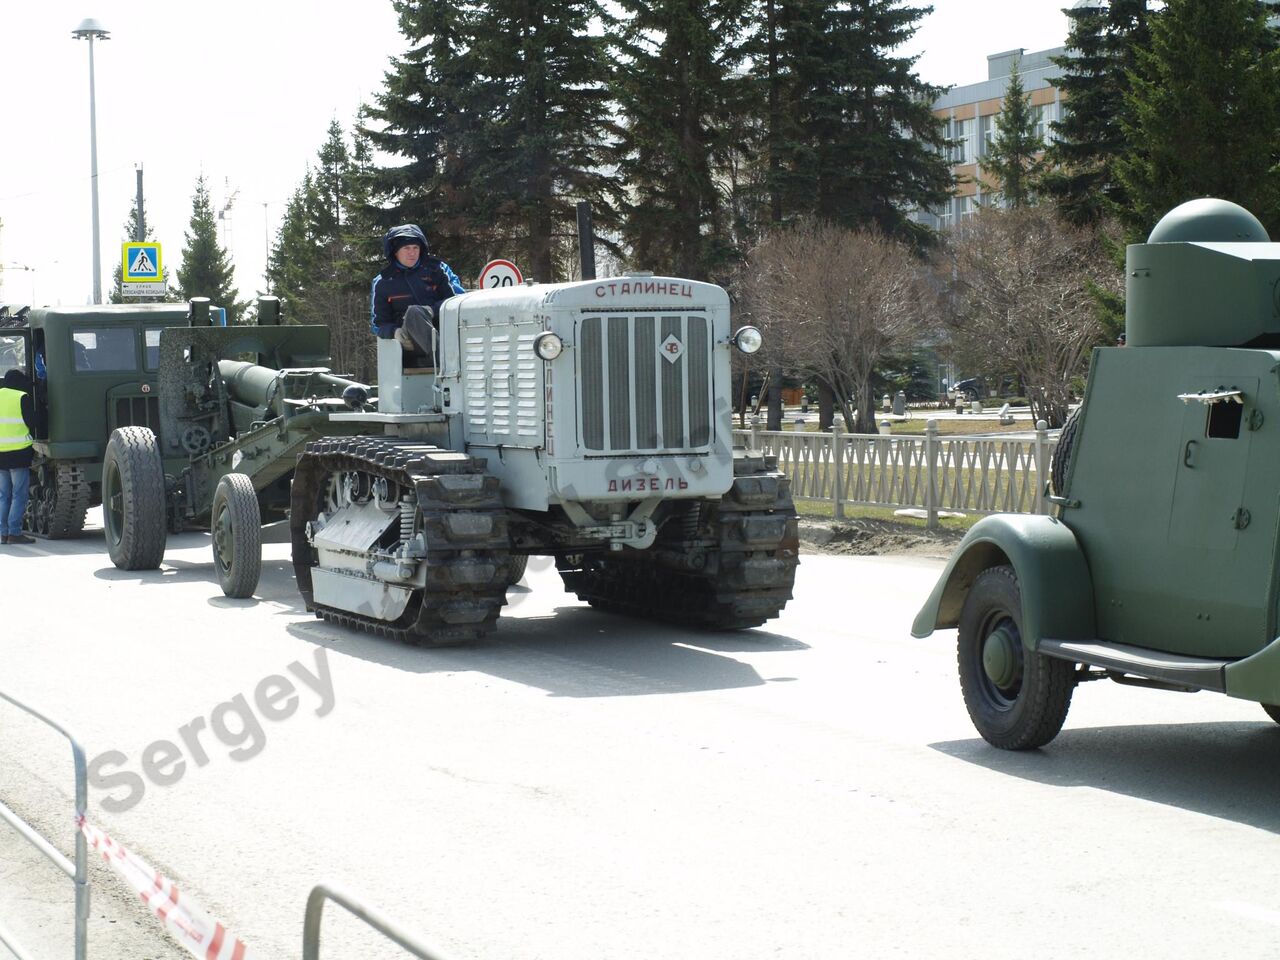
x=88 y=30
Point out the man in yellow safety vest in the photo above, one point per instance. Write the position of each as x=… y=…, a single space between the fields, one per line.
x=17 y=422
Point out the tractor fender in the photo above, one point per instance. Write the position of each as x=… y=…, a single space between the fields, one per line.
x=1057 y=591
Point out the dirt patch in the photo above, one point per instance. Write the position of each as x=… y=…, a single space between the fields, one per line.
x=866 y=537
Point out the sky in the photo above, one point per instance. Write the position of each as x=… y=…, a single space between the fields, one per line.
x=243 y=93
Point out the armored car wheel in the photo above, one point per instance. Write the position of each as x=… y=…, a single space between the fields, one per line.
x=236 y=526
x=1017 y=700
x=133 y=499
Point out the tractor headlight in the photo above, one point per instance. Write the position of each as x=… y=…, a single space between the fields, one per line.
x=748 y=339
x=548 y=346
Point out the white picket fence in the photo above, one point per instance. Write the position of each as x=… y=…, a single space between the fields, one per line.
x=930 y=473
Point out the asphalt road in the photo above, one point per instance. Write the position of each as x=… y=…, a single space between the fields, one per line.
x=584 y=786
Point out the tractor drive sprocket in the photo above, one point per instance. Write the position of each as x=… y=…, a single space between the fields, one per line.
x=460 y=513
x=725 y=565
x=59 y=498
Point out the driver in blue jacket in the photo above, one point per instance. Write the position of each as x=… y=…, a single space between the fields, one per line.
x=409 y=290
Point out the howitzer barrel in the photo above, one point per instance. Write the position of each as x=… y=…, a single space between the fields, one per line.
x=258 y=386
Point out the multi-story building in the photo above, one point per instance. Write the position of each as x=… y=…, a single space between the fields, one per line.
x=970 y=113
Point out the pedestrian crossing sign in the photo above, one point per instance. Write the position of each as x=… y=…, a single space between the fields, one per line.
x=141 y=263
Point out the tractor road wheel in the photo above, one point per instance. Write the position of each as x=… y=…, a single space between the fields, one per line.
x=236 y=526
x=133 y=499
x=1017 y=699
x=516 y=568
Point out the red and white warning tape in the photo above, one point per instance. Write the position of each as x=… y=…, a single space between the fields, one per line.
x=198 y=932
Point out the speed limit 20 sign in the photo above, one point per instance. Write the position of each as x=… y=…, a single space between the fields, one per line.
x=500 y=273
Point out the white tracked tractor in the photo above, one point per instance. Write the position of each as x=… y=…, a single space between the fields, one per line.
x=585 y=421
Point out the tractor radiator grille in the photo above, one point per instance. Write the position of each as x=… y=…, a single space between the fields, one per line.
x=137 y=412
x=500 y=380
x=646 y=382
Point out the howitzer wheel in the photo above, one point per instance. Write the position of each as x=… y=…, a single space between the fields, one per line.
x=236 y=526
x=133 y=499
x=1017 y=699
x=60 y=497
x=456 y=510
x=727 y=565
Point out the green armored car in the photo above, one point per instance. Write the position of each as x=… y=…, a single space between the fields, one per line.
x=1162 y=567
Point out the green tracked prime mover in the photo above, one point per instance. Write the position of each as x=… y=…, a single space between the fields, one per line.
x=168 y=423
x=589 y=422
x=1162 y=567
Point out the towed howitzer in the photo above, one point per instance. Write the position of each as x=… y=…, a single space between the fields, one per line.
x=229 y=434
x=257 y=393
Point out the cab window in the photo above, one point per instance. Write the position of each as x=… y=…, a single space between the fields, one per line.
x=152 y=342
x=13 y=353
x=105 y=348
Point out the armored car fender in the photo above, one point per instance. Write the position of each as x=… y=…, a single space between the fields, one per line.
x=1053 y=576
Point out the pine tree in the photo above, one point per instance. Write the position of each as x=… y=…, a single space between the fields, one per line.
x=545 y=148
x=322 y=262
x=1102 y=44
x=1203 y=115
x=679 y=94
x=429 y=114
x=291 y=265
x=206 y=269
x=502 y=111
x=851 y=134
x=1015 y=158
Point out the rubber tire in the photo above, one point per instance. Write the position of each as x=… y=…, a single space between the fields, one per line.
x=1023 y=716
x=516 y=567
x=1060 y=465
x=1273 y=711
x=237 y=548
x=133 y=472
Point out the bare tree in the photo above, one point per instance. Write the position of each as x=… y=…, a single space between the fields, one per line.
x=1023 y=286
x=832 y=302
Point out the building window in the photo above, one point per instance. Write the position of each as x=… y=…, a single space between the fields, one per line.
x=965 y=207
x=966 y=145
x=987 y=133
x=1045 y=116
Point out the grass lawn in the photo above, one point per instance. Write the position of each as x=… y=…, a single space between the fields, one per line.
x=818 y=511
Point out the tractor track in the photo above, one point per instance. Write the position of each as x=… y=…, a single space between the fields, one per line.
x=730 y=566
x=460 y=514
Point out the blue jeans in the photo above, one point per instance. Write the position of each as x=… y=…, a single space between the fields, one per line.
x=13 y=499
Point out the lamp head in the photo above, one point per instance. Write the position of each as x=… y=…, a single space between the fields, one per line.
x=90 y=28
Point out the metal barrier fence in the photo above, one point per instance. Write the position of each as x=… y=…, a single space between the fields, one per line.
x=370 y=915
x=966 y=474
x=78 y=872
